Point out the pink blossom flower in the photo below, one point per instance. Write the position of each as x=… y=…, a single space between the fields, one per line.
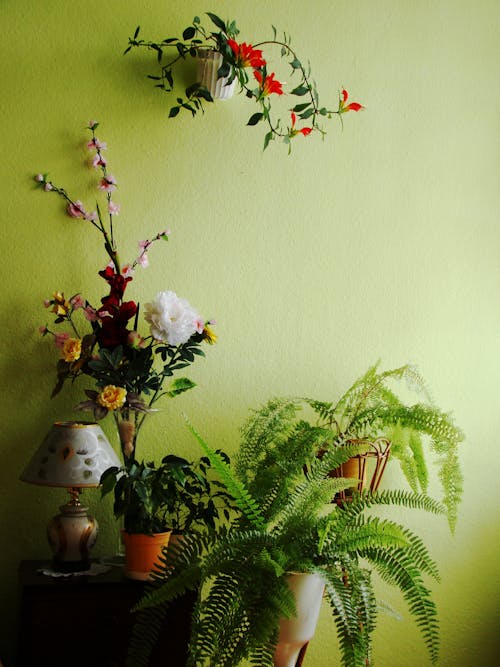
x=108 y=183
x=39 y=178
x=90 y=314
x=94 y=143
x=199 y=325
x=47 y=187
x=91 y=216
x=143 y=259
x=46 y=303
x=143 y=256
x=43 y=330
x=99 y=160
x=59 y=339
x=114 y=209
x=77 y=301
x=75 y=210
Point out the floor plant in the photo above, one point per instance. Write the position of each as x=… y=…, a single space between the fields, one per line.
x=285 y=523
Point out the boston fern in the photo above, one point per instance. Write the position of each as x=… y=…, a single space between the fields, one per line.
x=369 y=409
x=286 y=523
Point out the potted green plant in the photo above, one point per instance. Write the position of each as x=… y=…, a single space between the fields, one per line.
x=286 y=524
x=226 y=61
x=373 y=410
x=157 y=502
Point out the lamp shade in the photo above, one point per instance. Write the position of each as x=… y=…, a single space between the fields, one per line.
x=72 y=455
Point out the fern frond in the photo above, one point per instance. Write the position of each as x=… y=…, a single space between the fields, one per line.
x=271 y=422
x=145 y=634
x=351 y=608
x=396 y=497
x=399 y=568
x=245 y=503
x=368 y=533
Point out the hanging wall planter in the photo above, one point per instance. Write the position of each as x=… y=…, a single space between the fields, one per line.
x=225 y=62
x=209 y=62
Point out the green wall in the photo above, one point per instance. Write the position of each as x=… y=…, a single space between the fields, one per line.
x=381 y=242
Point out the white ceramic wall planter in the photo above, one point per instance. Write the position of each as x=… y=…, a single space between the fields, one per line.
x=208 y=65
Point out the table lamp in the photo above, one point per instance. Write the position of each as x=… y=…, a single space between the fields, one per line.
x=72 y=455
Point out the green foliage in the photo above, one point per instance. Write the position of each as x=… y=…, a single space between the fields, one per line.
x=284 y=522
x=237 y=60
x=369 y=409
x=177 y=495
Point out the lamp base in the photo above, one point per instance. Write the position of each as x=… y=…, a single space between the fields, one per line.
x=72 y=534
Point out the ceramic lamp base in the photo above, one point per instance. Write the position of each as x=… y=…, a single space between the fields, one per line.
x=72 y=534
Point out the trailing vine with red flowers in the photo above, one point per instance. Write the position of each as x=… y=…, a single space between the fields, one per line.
x=245 y=64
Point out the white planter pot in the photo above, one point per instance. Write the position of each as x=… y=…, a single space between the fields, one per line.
x=208 y=64
x=296 y=632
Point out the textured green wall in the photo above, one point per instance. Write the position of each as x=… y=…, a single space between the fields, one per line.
x=382 y=242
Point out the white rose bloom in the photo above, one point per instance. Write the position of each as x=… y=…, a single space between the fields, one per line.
x=172 y=319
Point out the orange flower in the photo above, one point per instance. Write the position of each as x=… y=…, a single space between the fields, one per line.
x=246 y=55
x=268 y=84
x=112 y=397
x=353 y=106
x=71 y=349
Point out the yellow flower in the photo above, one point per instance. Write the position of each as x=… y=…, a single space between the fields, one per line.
x=209 y=335
x=60 y=305
x=71 y=349
x=112 y=397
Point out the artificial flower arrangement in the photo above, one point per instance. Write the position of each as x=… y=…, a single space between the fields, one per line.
x=129 y=370
x=246 y=64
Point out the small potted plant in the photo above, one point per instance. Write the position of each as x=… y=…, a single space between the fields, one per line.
x=286 y=529
x=225 y=61
x=157 y=502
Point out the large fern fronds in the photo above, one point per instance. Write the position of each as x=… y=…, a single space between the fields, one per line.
x=243 y=499
x=399 y=569
x=145 y=635
x=445 y=438
x=353 y=603
x=267 y=424
x=394 y=497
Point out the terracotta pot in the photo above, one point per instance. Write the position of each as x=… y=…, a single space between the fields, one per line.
x=142 y=552
x=295 y=633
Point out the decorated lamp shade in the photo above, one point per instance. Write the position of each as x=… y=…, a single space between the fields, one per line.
x=72 y=455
